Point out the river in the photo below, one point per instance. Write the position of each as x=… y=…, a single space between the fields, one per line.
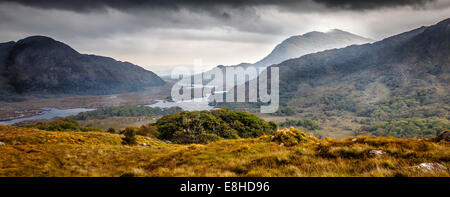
x=48 y=113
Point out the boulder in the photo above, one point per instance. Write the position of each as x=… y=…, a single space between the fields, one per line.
x=376 y=152
x=145 y=144
x=431 y=166
x=2 y=144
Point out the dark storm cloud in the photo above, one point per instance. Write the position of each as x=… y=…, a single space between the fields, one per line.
x=172 y=32
x=372 y=4
x=212 y=5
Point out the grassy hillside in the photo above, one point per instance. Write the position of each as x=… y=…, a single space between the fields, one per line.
x=33 y=152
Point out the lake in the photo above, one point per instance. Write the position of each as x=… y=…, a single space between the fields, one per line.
x=49 y=113
x=190 y=105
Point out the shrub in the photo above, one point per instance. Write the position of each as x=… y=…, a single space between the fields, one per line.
x=289 y=136
x=111 y=130
x=206 y=126
x=445 y=135
x=285 y=111
x=130 y=136
x=148 y=130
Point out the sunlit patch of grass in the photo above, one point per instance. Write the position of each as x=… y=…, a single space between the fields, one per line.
x=31 y=152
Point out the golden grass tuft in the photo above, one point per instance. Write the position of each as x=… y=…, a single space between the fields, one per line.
x=32 y=152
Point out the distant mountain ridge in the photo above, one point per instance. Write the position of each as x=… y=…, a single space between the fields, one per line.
x=311 y=42
x=40 y=64
x=297 y=46
x=403 y=76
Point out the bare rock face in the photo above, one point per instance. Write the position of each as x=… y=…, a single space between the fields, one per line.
x=40 y=64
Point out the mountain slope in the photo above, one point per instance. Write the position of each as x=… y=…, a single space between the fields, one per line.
x=312 y=42
x=42 y=65
x=297 y=46
x=403 y=76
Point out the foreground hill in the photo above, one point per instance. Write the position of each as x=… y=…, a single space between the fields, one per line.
x=32 y=152
x=40 y=64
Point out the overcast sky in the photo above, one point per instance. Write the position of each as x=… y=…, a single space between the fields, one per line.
x=162 y=33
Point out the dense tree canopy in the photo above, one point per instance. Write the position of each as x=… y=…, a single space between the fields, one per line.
x=414 y=127
x=305 y=123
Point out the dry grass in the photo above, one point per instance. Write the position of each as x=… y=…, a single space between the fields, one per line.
x=101 y=154
x=119 y=122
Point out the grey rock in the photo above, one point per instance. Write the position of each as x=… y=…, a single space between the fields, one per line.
x=377 y=152
x=431 y=166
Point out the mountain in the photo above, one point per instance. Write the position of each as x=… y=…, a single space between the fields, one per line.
x=297 y=46
x=39 y=64
x=312 y=42
x=403 y=76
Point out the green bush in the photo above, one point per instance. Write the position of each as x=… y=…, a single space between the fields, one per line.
x=444 y=135
x=129 y=136
x=206 y=126
x=148 y=130
x=285 y=111
x=111 y=130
